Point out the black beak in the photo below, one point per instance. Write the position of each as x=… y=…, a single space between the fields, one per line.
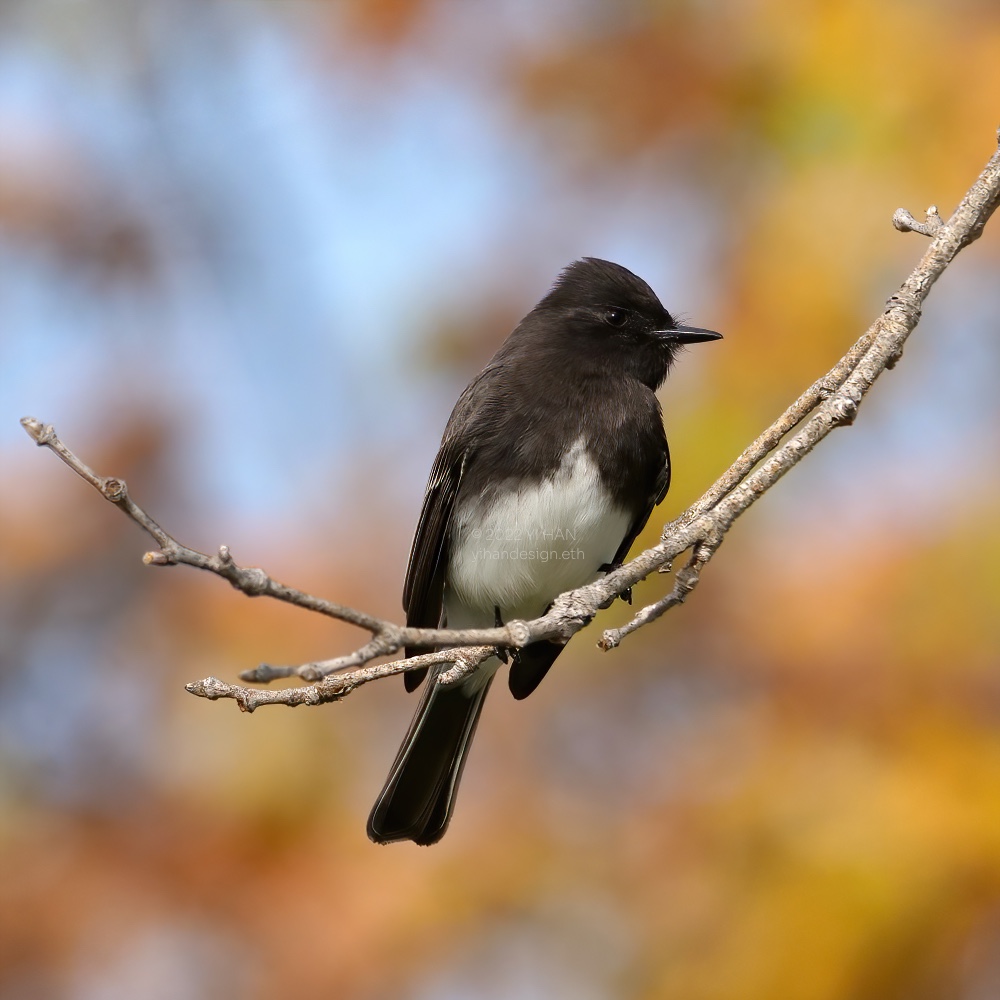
x=688 y=335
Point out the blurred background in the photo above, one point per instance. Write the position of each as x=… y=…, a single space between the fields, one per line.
x=250 y=253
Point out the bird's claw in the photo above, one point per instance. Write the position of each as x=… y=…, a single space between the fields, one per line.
x=625 y=595
x=498 y=623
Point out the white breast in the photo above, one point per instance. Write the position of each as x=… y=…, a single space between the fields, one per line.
x=532 y=544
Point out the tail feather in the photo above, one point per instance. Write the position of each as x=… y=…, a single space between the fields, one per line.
x=419 y=795
x=531 y=664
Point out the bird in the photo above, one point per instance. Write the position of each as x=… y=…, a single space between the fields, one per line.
x=551 y=463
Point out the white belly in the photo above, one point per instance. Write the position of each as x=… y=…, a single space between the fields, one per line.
x=532 y=545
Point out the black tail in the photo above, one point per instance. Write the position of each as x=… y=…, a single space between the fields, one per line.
x=419 y=794
x=531 y=664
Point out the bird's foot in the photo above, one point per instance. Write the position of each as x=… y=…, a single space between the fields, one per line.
x=625 y=595
x=498 y=622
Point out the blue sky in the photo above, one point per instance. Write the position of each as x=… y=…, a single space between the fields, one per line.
x=310 y=222
x=314 y=214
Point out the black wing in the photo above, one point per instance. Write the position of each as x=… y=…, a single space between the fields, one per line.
x=424 y=584
x=661 y=487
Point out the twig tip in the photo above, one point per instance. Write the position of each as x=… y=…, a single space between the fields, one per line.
x=209 y=687
x=40 y=433
x=609 y=640
x=906 y=223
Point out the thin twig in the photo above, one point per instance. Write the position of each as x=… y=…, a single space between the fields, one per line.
x=685 y=580
x=463 y=661
x=250 y=580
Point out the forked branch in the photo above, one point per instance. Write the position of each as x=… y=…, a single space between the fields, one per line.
x=832 y=401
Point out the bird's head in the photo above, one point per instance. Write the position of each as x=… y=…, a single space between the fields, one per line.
x=604 y=308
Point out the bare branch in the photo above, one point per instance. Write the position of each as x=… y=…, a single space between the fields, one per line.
x=685 y=581
x=463 y=660
x=905 y=222
x=251 y=581
x=254 y=582
x=832 y=401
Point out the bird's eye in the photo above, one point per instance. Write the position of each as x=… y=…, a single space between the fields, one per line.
x=615 y=317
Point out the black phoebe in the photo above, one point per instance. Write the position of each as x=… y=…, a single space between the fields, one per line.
x=552 y=461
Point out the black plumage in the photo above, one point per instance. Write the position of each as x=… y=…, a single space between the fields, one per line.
x=567 y=403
